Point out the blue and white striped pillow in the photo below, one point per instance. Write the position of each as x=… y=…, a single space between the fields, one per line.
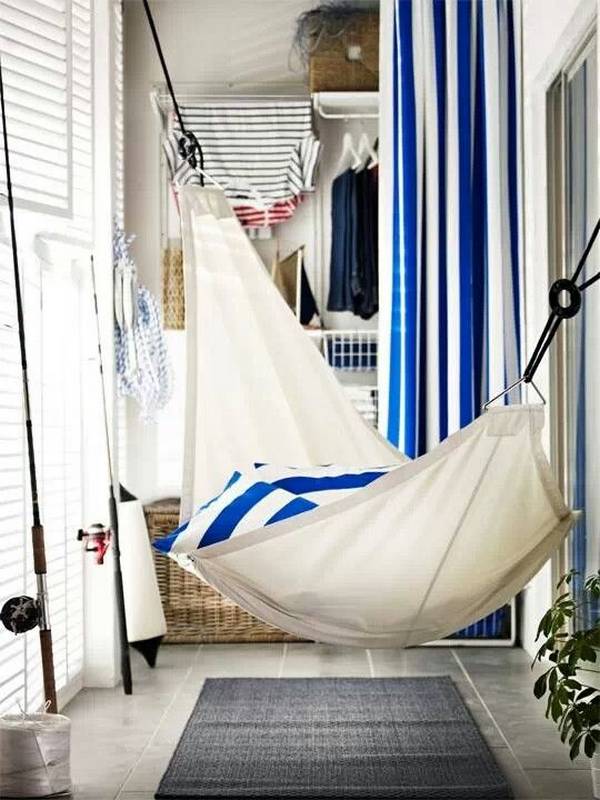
x=245 y=504
x=321 y=485
x=267 y=495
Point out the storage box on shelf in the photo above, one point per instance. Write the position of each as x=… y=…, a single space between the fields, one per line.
x=348 y=62
x=195 y=612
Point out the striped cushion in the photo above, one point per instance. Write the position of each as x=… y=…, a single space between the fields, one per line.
x=245 y=504
x=321 y=485
x=267 y=495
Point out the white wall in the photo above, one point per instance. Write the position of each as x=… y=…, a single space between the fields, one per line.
x=552 y=31
x=223 y=46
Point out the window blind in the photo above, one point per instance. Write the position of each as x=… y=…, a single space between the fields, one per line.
x=12 y=487
x=53 y=309
x=36 y=59
x=82 y=118
x=46 y=48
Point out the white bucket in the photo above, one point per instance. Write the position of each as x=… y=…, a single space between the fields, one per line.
x=34 y=755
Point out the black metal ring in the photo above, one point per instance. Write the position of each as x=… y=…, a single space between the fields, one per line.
x=557 y=288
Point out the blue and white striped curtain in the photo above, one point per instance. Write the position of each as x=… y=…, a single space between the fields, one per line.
x=455 y=280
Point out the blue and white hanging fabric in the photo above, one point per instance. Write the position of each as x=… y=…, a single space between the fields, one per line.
x=451 y=302
x=141 y=357
x=452 y=297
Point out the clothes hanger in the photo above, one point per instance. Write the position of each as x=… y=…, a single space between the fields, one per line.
x=349 y=158
x=367 y=154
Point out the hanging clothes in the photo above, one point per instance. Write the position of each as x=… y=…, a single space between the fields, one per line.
x=264 y=154
x=353 y=284
x=251 y=217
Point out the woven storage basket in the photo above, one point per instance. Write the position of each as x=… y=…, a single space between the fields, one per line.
x=331 y=69
x=173 y=300
x=194 y=611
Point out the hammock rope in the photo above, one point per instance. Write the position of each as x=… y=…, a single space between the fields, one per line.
x=560 y=311
x=189 y=146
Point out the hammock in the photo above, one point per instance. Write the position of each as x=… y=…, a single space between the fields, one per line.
x=416 y=551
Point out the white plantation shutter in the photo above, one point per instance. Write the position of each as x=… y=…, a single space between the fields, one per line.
x=61 y=460
x=53 y=310
x=36 y=59
x=12 y=487
x=82 y=117
x=46 y=51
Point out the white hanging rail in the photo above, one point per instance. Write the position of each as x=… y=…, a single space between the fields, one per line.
x=346 y=105
x=195 y=94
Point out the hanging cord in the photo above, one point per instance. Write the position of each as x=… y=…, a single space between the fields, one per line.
x=189 y=146
x=37 y=530
x=559 y=312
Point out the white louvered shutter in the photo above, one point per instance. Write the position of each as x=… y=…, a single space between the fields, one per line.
x=36 y=60
x=12 y=486
x=46 y=47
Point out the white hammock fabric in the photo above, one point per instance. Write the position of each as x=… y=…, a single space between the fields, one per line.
x=257 y=387
x=425 y=550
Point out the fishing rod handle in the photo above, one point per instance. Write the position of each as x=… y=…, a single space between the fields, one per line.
x=48 y=671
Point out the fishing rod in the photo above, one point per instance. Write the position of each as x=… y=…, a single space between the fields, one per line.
x=114 y=517
x=20 y=614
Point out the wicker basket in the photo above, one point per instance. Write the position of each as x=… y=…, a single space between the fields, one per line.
x=172 y=289
x=331 y=68
x=194 y=611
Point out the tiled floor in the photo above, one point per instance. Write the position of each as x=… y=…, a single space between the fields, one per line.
x=121 y=745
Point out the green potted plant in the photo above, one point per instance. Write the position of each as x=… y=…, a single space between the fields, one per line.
x=570 y=649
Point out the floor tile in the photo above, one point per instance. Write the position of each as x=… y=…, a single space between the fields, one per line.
x=324 y=661
x=122 y=745
x=136 y=796
x=147 y=772
x=556 y=784
x=414 y=662
x=519 y=781
x=235 y=661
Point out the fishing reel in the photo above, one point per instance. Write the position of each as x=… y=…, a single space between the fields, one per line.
x=20 y=614
x=97 y=540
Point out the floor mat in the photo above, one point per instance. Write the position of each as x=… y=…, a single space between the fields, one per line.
x=332 y=738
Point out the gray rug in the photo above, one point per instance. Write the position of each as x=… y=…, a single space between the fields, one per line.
x=332 y=737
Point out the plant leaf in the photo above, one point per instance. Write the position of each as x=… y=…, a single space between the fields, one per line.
x=539 y=687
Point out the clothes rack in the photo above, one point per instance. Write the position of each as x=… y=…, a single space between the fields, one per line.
x=161 y=100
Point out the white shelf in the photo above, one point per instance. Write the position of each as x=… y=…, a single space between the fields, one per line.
x=346 y=105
